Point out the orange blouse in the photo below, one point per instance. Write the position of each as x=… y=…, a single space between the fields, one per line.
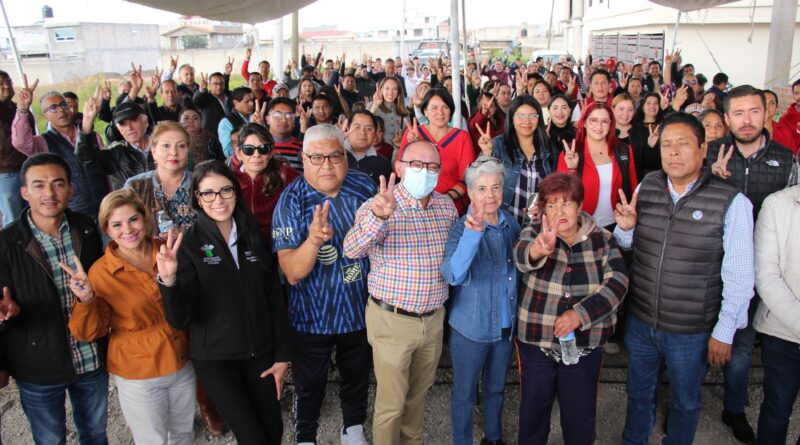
x=127 y=307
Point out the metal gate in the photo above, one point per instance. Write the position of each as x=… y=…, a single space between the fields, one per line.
x=629 y=48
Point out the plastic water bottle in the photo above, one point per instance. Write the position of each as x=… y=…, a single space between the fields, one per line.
x=165 y=223
x=569 y=350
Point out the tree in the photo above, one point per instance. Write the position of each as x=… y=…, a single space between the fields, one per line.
x=193 y=42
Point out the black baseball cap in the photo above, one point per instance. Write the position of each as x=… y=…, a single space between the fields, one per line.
x=127 y=110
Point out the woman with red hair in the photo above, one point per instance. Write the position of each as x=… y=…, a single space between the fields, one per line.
x=603 y=163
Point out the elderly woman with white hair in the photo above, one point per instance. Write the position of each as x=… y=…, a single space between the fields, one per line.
x=479 y=265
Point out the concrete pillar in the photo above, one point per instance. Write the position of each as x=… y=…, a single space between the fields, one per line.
x=295 y=37
x=278 y=45
x=779 y=51
x=455 y=59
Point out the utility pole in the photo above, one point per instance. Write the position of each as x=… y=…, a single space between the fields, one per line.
x=13 y=44
x=550 y=29
x=779 y=51
x=295 y=37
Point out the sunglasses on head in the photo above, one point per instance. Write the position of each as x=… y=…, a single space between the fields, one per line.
x=248 y=149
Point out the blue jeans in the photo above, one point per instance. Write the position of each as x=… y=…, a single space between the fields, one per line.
x=686 y=358
x=11 y=201
x=781 y=360
x=469 y=359
x=44 y=406
x=737 y=371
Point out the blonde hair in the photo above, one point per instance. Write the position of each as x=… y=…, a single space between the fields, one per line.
x=166 y=127
x=117 y=199
x=399 y=102
x=619 y=98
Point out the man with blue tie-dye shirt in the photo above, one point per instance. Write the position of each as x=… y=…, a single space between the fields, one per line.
x=328 y=292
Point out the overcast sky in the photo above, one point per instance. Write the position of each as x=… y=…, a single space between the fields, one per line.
x=480 y=13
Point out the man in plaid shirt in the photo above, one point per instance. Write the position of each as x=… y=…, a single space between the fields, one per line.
x=404 y=231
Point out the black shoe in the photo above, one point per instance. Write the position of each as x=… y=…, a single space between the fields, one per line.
x=742 y=430
x=486 y=441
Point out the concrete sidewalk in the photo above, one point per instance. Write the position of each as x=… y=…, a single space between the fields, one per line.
x=610 y=412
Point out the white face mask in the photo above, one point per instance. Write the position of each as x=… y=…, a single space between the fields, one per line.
x=419 y=183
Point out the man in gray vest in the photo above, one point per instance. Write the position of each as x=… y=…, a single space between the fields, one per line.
x=691 y=280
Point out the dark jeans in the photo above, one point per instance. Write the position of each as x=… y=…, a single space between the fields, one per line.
x=44 y=407
x=470 y=359
x=248 y=403
x=737 y=371
x=312 y=359
x=781 y=360
x=542 y=380
x=686 y=357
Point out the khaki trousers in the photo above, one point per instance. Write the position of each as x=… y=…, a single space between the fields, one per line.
x=405 y=353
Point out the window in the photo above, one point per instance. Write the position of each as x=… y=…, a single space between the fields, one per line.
x=65 y=35
x=417 y=32
x=220 y=38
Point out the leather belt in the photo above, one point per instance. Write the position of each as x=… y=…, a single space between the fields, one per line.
x=388 y=307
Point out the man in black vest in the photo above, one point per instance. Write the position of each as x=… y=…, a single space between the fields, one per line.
x=212 y=100
x=748 y=159
x=243 y=105
x=691 y=280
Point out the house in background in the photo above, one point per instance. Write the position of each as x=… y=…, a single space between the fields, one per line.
x=192 y=32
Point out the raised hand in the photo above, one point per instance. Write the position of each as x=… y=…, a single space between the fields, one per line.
x=320 y=231
x=377 y=98
x=167 y=258
x=397 y=138
x=664 y=101
x=136 y=80
x=652 y=138
x=155 y=83
x=384 y=203
x=229 y=66
x=258 y=113
x=545 y=242
x=304 y=116
x=26 y=93
x=8 y=307
x=720 y=167
x=571 y=157
x=90 y=109
x=203 y=81
x=625 y=213
x=78 y=281
x=485 y=140
x=413 y=130
x=474 y=219
x=248 y=52
x=105 y=90
x=173 y=63
x=278 y=370
x=681 y=96
x=623 y=83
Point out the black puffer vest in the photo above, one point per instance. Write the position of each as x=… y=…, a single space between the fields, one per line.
x=677 y=254
x=761 y=174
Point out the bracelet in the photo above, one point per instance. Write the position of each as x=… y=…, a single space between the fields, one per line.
x=161 y=282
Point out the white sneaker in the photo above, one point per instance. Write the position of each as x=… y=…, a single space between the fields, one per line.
x=354 y=435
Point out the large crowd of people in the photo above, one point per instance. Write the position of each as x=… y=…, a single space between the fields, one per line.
x=216 y=239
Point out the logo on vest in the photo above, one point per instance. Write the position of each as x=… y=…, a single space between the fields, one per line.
x=327 y=255
x=351 y=273
x=697 y=215
x=773 y=163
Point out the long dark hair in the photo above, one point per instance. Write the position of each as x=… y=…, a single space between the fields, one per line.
x=540 y=140
x=273 y=182
x=247 y=227
x=638 y=115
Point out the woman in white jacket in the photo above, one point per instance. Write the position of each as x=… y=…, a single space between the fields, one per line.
x=778 y=318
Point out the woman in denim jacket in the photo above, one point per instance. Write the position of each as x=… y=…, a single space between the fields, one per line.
x=526 y=153
x=479 y=264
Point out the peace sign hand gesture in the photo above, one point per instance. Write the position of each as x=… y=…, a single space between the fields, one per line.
x=320 y=230
x=571 y=157
x=79 y=282
x=720 y=167
x=625 y=213
x=383 y=204
x=474 y=219
x=26 y=93
x=167 y=259
x=229 y=66
x=485 y=140
x=545 y=242
x=173 y=63
x=155 y=82
x=258 y=113
x=652 y=139
x=8 y=307
x=203 y=81
x=90 y=110
x=413 y=130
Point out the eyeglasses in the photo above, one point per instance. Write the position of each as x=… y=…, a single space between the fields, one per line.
x=277 y=115
x=566 y=205
x=211 y=196
x=689 y=82
x=523 y=116
x=53 y=108
x=335 y=158
x=480 y=162
x=595 y=121
x=249 y=150
x=417 y=166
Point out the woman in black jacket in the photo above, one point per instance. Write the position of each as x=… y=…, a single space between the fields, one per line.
x=219 y=281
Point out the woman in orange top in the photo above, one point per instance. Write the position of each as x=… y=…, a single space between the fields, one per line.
x=147 y=358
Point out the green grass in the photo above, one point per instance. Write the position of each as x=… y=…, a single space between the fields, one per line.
x=85 y=88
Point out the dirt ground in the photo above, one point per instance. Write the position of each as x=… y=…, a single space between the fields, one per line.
x=610 y=412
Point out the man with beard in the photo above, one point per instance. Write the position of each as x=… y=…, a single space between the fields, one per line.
x=749 y=159
x=213 y=102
